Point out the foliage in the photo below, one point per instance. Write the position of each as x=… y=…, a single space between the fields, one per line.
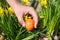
x=48 y=22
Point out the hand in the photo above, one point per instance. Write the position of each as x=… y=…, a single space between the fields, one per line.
x=20 y=10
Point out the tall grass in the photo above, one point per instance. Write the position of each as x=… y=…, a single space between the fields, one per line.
x=48 y=23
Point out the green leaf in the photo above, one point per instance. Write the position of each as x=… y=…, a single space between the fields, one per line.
x=30 y=37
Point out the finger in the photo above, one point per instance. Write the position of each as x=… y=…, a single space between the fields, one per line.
x=20 y=19
x=35 y=17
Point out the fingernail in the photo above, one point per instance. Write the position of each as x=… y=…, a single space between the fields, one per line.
x=35 y=27
x=23 y=25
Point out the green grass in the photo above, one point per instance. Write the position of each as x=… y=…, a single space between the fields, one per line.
x=47 y=26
